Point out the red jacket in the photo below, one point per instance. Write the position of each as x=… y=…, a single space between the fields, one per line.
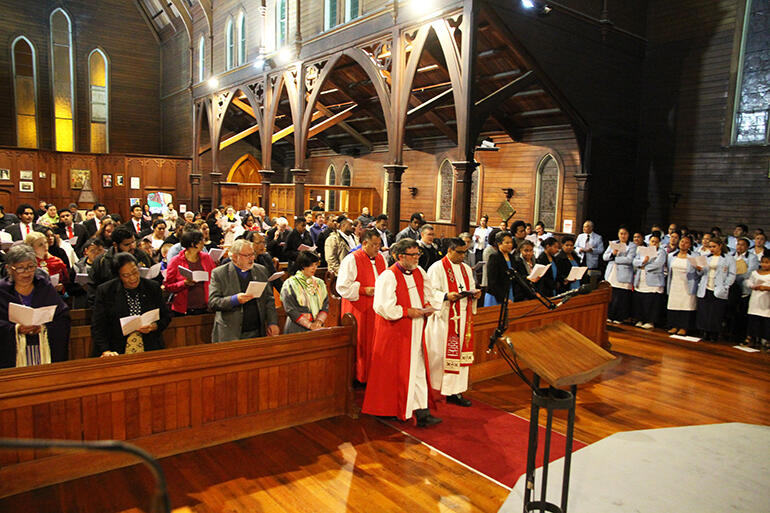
x=175 y=282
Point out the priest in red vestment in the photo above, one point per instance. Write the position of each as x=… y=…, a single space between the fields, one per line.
x=399 y=375
x=355 y=285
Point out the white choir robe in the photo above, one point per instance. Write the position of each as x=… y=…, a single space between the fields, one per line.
x=347 y=286
x=437 y=329
x=385 y=304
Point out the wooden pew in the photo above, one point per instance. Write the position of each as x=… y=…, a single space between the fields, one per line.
x=171 y=401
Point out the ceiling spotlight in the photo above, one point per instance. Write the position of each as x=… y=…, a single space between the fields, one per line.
x=259 y=63
x=421 y=6
x=528 y=4
x=213 y=82
x=284 y=55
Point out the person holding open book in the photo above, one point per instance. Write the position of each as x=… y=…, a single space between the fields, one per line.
x=27 y=343
x=566 y=259
x=548 y=282
x=649 y=281
x=124 y=299
x=304 y=296
x=619 y=256
x=190 y=294
x=681 y=286
x=716 y=278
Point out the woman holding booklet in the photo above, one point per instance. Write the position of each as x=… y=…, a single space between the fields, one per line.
x=34 y=320
x=304 y=296
x=649 y=281
x=188 y=276
x=129 y=313
x=716 y=278
x=682 y=286
x=566 y=261
x=619 y=256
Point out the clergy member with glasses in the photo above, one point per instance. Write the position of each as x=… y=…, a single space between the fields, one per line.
x=240 y=315
x=127 y=295
x=29 y=286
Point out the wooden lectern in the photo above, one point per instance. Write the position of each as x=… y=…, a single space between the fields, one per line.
x=563 y=358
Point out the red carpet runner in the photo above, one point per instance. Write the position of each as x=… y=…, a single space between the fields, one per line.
x=486 y=439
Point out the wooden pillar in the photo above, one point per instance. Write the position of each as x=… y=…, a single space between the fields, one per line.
x=462 y=200
x=300 y=177
x=265 y=176
x=582 y=199
x=395 y=171
x=216 y=195
x=195 y=184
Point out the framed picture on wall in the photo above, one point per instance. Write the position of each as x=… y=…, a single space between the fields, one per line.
x=134 y=201
x=26 y=175
x=106 y=181
x=119 y=180
x=5 y=174
x=135 y=183
x=27 y=186
x=78 y=177
x=41 y=174
x=53 y=180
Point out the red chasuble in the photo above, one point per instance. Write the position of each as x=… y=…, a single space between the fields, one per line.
x=388 y=386
x=363 y=311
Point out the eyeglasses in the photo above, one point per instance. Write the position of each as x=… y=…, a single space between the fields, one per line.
x=412 y=254
x=25 y=269
x=248 y=255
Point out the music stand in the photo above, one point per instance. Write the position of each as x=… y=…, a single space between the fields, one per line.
x=563 y=357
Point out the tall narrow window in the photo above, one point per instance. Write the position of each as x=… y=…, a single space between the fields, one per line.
x=281 y=23
x=445 y=192
x=241 y=39
x=475 y=196
x=345 y=176
x=98 y=81
x=330 y=14
x=25 y=91
x=331 y=196
x=229 y=45
x=547 y=192
x=351 y=10
x=752 y=104
x=201 y=59
x=63 y=87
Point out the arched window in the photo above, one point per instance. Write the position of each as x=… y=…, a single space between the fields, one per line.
x=345 y=176
x=547 y=192
x=475 y=195
x=281 y=23
x=330 y=14
x=331 y=196
x=229 y=45
x=25 y=91
x=241 y=38
x=445 y=192
x=351 y=10
x=62 y=81
x=201 y=59
x=98 y=81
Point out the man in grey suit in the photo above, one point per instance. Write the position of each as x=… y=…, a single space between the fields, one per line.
x=239 y=315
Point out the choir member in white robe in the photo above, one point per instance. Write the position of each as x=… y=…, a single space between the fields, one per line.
x=398 y=384
x=449 y=330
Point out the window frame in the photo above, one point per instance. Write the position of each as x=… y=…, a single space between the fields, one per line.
x=34 y=88
x=73 y=107
x=439 y=192
x=240 y=32
x=331 y=175
x=201 y=59
x=229 y=44
x=541 y=163
x=106 y=102
x=348 y=14
x=281 y=36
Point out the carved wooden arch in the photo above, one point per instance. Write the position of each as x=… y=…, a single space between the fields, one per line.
x=366 y=63
x=230 y=95
x=246 y=157
x=272 y=94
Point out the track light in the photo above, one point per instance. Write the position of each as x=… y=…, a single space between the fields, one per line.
x=213 y=82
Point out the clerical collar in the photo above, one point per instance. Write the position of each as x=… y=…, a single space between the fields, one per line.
x=240 y=272
x=403 y=269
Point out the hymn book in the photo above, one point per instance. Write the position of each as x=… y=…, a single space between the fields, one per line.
x=28 y=316
x=196 y=276
x=150 y=272
x=576 y=273
x=538 y=271
x=255 y=288
x=134 y=323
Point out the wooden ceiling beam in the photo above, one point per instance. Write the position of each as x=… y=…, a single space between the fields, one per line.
x=429 y=105
x=355 y=134
x=245 y=107
x=280 y=134
x=237 y=137
x=331 y=121
x=435 y=120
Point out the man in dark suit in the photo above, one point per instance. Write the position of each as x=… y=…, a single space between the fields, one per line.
x=67 y=229
x=298 y=236
x=26 y=224
x=381 y=227
x=92 y=225
x=137 y=223
x=6 y=220
x=239 y=315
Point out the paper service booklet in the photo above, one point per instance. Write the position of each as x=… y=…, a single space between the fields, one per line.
x=133 y=323
x=196 y=276
x=304 y=247
x=620 y=246
x=276 y=275
x=255 y=288
x=698 y=261
x=81 y=278
x=216 y=254
x=150 y=272
x=54 y=279
x=576 y=273
x=538 y=271
x=28 y=316
x=647 y=251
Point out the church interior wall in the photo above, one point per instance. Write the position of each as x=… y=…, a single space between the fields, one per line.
x=176 y=97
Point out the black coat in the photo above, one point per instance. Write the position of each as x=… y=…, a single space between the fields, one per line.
x=145 y=228
x=293 y=242
x=274 y=246
x=564 y=267
x=15 y=230
x=80 y=232
x=498 y=283
x=90 y=227
x=111 y=305
x=546 y=285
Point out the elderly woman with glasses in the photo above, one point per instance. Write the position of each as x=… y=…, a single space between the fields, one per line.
x=20 y=344
x=127 y=295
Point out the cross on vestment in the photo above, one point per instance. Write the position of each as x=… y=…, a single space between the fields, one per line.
x=456 y=319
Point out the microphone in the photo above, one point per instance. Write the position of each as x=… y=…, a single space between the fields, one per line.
x=583 y=289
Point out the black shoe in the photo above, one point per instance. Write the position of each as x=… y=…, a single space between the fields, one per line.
x=458 y=399
x=426 y=419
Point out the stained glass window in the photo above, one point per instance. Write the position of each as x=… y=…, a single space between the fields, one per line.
x=63 y=87
x=547 y=192
x=753 y=92
x=25 y=92
x=98 y=78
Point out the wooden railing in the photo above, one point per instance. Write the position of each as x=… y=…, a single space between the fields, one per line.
x=171 y=401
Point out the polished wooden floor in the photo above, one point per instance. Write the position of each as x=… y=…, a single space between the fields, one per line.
x=362 y=465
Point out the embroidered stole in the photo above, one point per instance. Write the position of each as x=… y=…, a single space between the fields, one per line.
x=459 y=351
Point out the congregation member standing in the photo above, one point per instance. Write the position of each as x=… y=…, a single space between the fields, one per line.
x=398 y=379
x=449 y=332
x=190 y=297
x=304 y=296
x=620 y=274
x=365 y=218
x=430 y=253
x=589 y=247
x=26 y=224
x=67 y=229
x=649 y=284
x=715 y=280
x=381 y=225
x=481 y=238
x=123 y=241
x=240 y=315
x=355 y=285
x=412 y=230
x=758 y=328
x=126 y=295
x=27 y=285
x=548 y=282
x=52 y=265
x=500 y=262
x=92 y=225
x=566 y=259
x=137 y=222
x=682 y=288
x=296 y=238
x=746 y=262
x=319 y=225
x=339 y=244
